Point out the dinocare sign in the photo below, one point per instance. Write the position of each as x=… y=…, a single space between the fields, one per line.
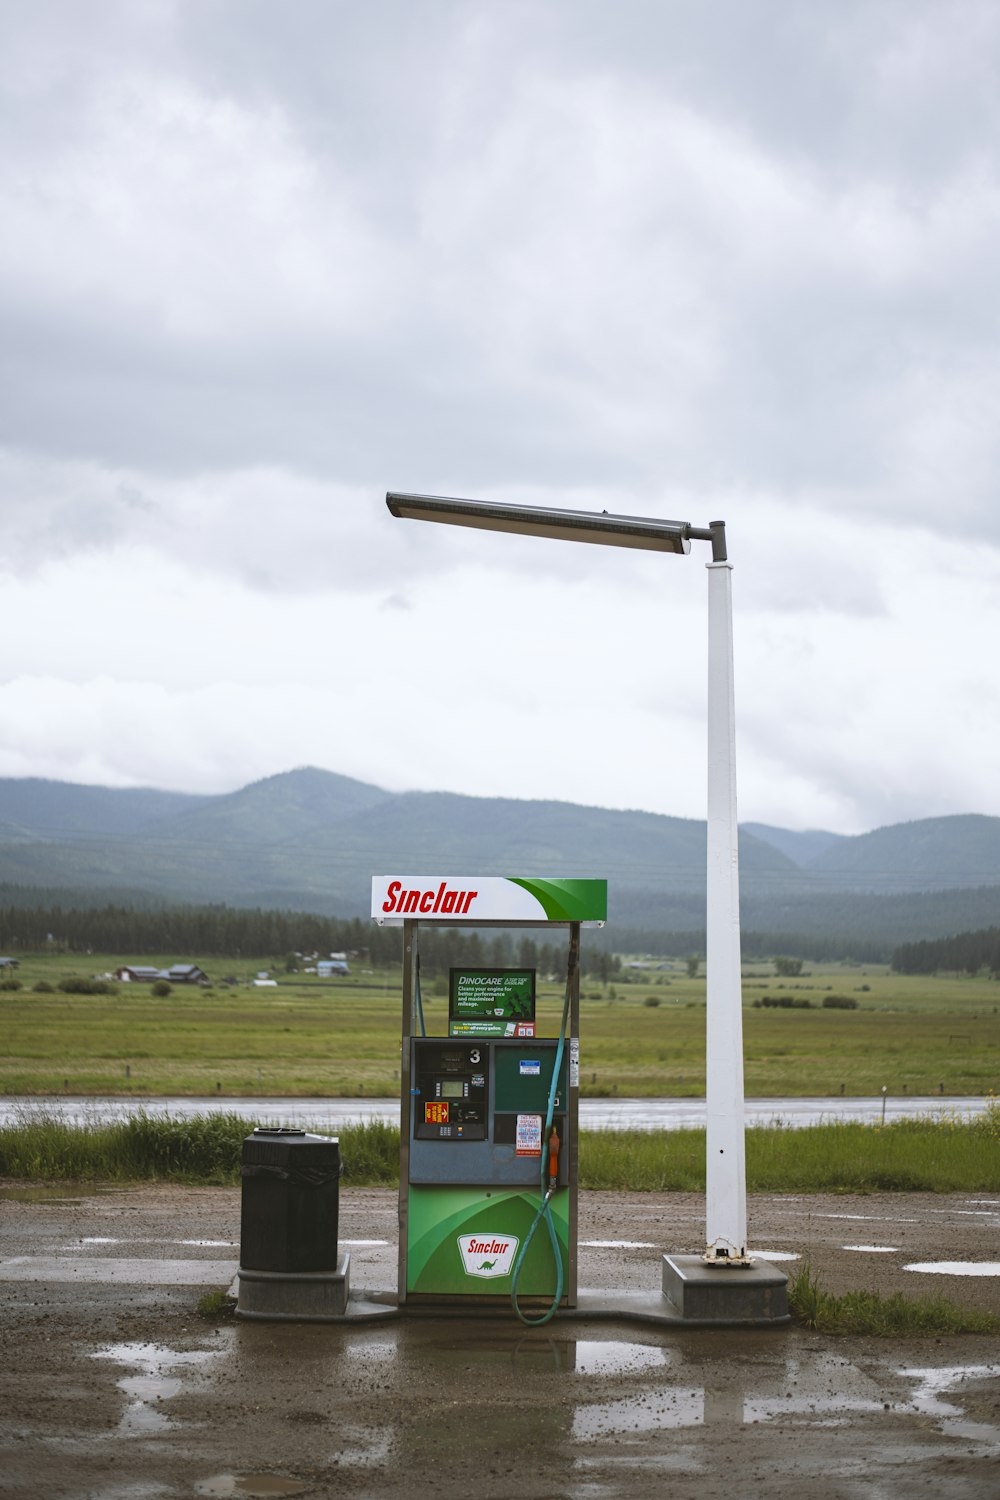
x=487 y=898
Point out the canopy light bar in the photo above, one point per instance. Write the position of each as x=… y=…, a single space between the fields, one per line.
x=561 y=525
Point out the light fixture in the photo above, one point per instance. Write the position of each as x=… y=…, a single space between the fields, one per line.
x=598 y=527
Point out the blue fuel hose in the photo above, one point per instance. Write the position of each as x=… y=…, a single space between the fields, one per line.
x=547 y=1189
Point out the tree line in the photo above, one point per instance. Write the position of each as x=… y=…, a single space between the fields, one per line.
x=254 y=933
x=965 y=953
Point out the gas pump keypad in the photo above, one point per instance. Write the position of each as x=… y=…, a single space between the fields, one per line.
x=450 y=1091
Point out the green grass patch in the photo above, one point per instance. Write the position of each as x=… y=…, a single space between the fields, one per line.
x=203 y=1149
x=308 y=1037
x=859 y=1312
x=933 y=1156
x=907 y=1156
x=216 y=1307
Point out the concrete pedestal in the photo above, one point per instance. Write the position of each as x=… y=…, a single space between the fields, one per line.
x=295 y=1296
x=751 y=1295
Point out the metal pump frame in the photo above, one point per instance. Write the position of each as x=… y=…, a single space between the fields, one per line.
x=410 y=957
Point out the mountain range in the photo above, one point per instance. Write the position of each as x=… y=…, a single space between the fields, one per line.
x=311 y=840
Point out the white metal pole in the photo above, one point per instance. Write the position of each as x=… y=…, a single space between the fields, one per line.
x=725 y=1201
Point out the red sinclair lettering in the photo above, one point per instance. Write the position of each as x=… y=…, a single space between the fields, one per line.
x=405 y=903
x=488 y=1247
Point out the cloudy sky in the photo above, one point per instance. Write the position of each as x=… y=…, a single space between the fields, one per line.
x=260 y=263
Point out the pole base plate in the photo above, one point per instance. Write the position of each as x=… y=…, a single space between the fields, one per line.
x=727 y=1294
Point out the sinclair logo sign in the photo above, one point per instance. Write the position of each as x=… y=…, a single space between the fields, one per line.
x=487 y=898
x=488 y=1254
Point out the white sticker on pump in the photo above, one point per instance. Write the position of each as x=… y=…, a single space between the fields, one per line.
x=531 y=1067
x=528 y=1140
x=574 y=1062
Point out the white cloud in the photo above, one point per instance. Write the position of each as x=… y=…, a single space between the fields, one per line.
x=259 y=268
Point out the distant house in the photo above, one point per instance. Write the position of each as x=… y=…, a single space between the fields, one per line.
x=330 y=968
x=146 y=974
x=185 y=974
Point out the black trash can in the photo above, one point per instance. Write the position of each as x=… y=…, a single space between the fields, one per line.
x=291 y=1201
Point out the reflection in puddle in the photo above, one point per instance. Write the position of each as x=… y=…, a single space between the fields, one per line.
x=927 y=1399
x=824 y=1392
x=679 y=1407
x=956 y=1267
x=873 y=1249
x=827 y=1390
x=831 y=1410
x=617 y=1358
x=532 y=1354
x=152 y=1384
x=249 y=1484
x=363 y=1447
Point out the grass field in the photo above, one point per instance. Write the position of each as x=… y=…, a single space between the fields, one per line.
x=906 y=1155
x=643 y=1035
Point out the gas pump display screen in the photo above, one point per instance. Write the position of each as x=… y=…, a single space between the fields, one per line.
x=491 y=1002
x=452 y=1088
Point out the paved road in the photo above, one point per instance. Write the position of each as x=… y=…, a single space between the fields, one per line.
x=595 y=1114
x=115 y=1388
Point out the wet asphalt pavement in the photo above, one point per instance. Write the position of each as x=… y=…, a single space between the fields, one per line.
x=112 y=1387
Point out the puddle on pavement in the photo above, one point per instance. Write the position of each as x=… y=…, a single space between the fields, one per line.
x=873 y=1249
x=955 y=1267
x=153 y=1383
x=773 y=1255
x=832 y=1411
x=870 y=1218
x=610 y=1357
x=363 y=1447
x=618 y=1244
x=104 y=1239
x=928 y=1399
x=679 y=1406
x=68 y=1194
x=249 y=1484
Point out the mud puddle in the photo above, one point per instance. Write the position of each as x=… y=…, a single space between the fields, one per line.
x=153 y=1382
x=70 y=1194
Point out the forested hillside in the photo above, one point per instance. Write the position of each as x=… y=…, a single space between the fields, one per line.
x=310 y=841
x=966 y=952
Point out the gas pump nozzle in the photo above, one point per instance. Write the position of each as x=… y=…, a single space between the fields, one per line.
x=554 y=1144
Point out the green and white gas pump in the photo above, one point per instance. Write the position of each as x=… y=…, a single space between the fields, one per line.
x=488 y=1107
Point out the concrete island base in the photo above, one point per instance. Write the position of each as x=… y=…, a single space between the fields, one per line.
x=703 y=1293
x=295 y=1296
